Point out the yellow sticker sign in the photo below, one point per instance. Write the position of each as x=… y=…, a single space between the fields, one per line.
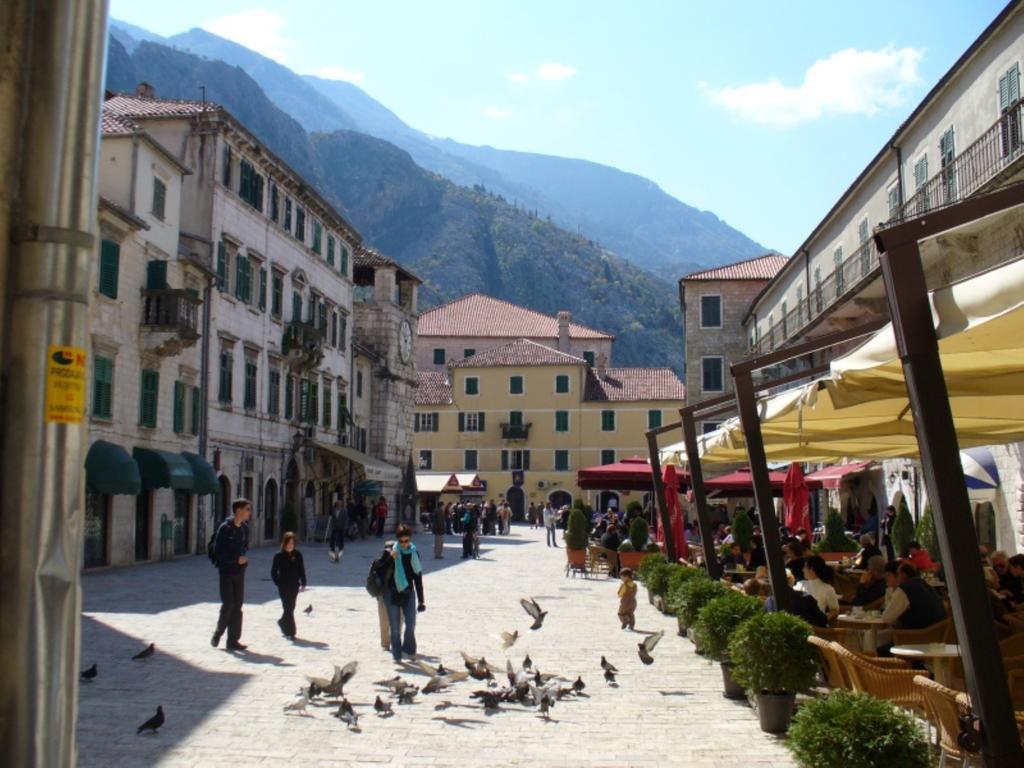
x=65 y=384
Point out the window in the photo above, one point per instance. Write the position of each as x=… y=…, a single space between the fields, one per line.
x=344 y=418
x=296 y=307
x=250 y=185
x=561 y=384
x=321 y=307
x=300 y=224
x=653 y=419
x=426 y=459
x=893 y=195
x=920 y=184
x=159 y=198
x=261 y=300
x=607 y=456
x=947 y=156
x=276 y=294
x=342 y=332
x=289 y=397
x=710 y=311
x=515 y=418
x=472 y=385
x=515 y=385
x=469 y=461
x=588 y=356
x=224 y=383
x=343 y=260
x=330 y=250
x=334 y=329
x=243 y=278
x=226 y=176
x=425 y=422
x=274 y=391
x=561 y=461
x=178 y=420
x=799 y=305
x=318 y=234
x=313 y=404
x=515 y=459
x=249 y=399
x=471 y=421
x=438 y=356
x=707 y=427
x=197 y=404
x=110 y=260
x=1009 y=95
x=711 y=369
x=837 y=261
x=102 y=387
x=466 y=352
x=274 y=212
x=149 y=398
x=863 y=233
x=326 y=411
x=222 y=266
x=607 y=421
x=561 y=421
x=288 y=214
x=359 y=383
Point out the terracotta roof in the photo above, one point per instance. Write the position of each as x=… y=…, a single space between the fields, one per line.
x=433 y=388
x=127 y=105
x=761 y=268
x=118 y=125
x=124 y=213
x=371 y=257
x=620 y=384
x=480 y=315
x=516 y=353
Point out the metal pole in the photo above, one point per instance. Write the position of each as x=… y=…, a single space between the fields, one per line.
x=907 y=294
x=45 y=349
x=751 y=423
x=659 y=494
x=699 y=496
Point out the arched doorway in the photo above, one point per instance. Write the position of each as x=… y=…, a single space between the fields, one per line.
x=517 y=500
x=223 y=499
x=607 y=500
x=560 y=499
x=269 y=509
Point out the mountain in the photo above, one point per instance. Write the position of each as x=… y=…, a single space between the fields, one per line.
x=458 y=239
x=625 y=212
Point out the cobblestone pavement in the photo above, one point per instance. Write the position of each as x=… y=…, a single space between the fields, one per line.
x=225 y=709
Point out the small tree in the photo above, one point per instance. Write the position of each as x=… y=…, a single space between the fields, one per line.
x=634 y=509
x=742 y=529
x=638 y=534
x=717 y=621
x=835 y=539
x=902 y=528
x=770 y=654
x=926 y=534
x=576 y=530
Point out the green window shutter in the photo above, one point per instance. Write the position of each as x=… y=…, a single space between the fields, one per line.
x=608 y=421
x=159 y=198
x=653 y=419
x=222 y=266
x=515 y=385
x=327 y=406
x=504 y=459
x=561 y=421
x=526 y=459
x=342 y=331
x=179 y=407
x=110 y=260
x=249 y=396
x=156 y=274
x=469 y=352
x=607 y=457
x=196 y=412
x=300 y=224
x=257 y=192
x=224 y=382
x=561 y=384
x=462 y=422
x=288 y=214
x=274 y=203
x=245 y=181
x=296 y=307
x=102 y=387
x=289 y=397
x=561 y=461
x=314 y=402
x=317 y=235
x=330 y=250
x=263 y=289
x=242 y=278
x=479 y=422
x=472 y=386
x=588 y=357
x=343 y=261
x=438 y=357
x=274 y=392
x=148 y=399
x=276 y=295
x=515 y=418
x=227 y=166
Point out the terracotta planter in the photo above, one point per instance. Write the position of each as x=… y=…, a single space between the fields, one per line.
x=577 y=558
x=631 y=559
x=732 y=689
x=775 y=711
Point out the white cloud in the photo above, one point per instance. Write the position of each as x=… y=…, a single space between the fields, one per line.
x=497 y=113
x=260 y=30
x=517 y=77
x=550 y=70
x=340 y=73
x=847 y=82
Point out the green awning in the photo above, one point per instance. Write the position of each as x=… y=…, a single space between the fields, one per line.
x=203 y=474
x=109 y=469
x=163 y=469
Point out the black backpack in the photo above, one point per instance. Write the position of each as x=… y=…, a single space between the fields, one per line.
x=378 y=576
x=210 y=552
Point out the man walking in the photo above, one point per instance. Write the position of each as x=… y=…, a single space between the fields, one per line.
x=549 y=524
x=381 y=512
x=339 y=525
x=437 y=526
x=230 y=546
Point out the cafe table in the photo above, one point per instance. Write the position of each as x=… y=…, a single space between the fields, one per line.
x=941 y=658
x=869 y=622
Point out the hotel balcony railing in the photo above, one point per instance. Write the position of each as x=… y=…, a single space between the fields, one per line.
x=515 y=431
x=303 y=344
x=995 y=150
x=171 y=309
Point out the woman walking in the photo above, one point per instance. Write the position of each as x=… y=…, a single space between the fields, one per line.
x=407 y=576
x=289 y=575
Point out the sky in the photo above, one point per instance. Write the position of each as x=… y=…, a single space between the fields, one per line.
x=761 y=112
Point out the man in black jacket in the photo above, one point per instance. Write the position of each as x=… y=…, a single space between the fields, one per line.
x=230 y=547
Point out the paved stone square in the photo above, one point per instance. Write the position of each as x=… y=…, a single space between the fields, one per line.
x=225 y=709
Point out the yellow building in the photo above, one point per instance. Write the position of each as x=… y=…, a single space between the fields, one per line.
x=526 y=417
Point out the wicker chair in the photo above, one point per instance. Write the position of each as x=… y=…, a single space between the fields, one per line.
x=943 y=709
x=836 y=634
x=883 y=681
x=832 y=669
x=602 y=560
x=941 y=632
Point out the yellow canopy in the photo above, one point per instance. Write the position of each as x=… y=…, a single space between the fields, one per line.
x=861 y=408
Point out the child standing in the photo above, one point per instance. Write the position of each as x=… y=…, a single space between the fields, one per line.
x=627 y=599
x=289 y=574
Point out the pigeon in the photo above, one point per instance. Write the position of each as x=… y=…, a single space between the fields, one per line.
x=644 y=649
x=546 y=702
x=336 y=687
x=607 y=666
x=383 y=708
x=153 y=723
x=393 y=682
x=347 y=715
x=527 y=662
x=313 y=691
x=89 y=674
x=490 y=699
x=531 y=607
x=478 y=669
x=609 y=676
x=440 y=682
x=297 y=706
x=309 y=609
x=407 y=694
x=508 y=639
x=146 y=652
x=579 y=685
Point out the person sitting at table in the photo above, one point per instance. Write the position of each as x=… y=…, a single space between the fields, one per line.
x=868 y=549
x=1009 y=583
x=610 y=539
x=815 y=583
x=758 y=585
x=871 y=587
x=802 y=605
x=912 y=604
x=692 y=533
x=755 y=556
x=734 y=559
x=804 y=538
x=917 y=556
x=793 y=556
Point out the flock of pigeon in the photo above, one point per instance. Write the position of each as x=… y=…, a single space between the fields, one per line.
x=153 y=724
x=527 y=685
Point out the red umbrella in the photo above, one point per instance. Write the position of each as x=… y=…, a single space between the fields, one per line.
x=675 y=510
x=795 y=499
x=630 y=474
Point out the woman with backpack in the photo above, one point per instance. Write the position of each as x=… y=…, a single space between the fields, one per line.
x=405 y=583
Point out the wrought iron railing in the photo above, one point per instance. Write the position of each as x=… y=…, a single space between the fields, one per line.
x=993 y=151
x=515 y=431
x=171 y=309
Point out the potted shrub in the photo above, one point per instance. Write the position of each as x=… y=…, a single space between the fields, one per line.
x=631 y=552
x=772 y=658
x=845 y=726
x=694 y=595
x=647 y=565
x=742 y=529
x=576 y=538
x=657 y=582
x=678 y=576
x=902 y=529
x=836 y=544
x=716 y=623
x=926 y=534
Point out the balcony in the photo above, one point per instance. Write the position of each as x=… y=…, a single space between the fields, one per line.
x=170 y=318
x=973 y=170
x=515 y=431
x=303 y=345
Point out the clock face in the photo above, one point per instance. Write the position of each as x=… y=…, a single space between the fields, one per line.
x=405 y=341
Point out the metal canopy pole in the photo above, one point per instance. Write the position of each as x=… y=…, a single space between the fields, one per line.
x=699 y=496
x=916 y=340
x=659 y=493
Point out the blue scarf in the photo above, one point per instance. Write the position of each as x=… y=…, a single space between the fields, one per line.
x=400 y=580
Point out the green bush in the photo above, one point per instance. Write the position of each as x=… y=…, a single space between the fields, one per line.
x=855 y=729
x=742 y=529
x=902 y=528
x=680 y=574
x=657 y=578
x=770 y=654
x=634 y=508
x=926 y=534
x=694 y=595
x=717 y=621
x=638 y=533
x=648 y=564
x=627 y=546
x=576 y=530
x=835 y=539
